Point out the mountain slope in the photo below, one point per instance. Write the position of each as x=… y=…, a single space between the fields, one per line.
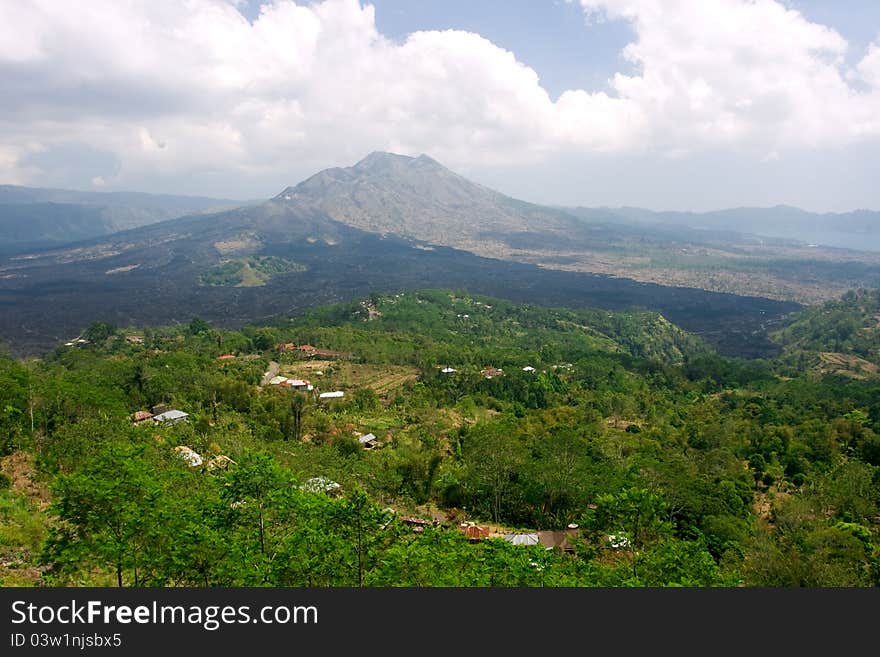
x=34 y=218
x=841 y=336
x=859 y=229
x=418 y=198
x=157 y=274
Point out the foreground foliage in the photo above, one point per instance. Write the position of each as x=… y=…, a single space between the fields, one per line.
x=677 y=466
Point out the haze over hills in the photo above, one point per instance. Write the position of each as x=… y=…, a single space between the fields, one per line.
x=33 y=218
x=859 y=229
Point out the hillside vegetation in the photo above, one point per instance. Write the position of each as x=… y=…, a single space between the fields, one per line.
x=248 y=272
x=661 y=463
x=849 y=325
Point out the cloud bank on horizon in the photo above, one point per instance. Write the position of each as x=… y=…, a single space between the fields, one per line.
x=125 y=94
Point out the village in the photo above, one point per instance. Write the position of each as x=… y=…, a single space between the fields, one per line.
x=307 y=360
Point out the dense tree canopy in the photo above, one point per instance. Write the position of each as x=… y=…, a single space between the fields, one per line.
x=665 y=463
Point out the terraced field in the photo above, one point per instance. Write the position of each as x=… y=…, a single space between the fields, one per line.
x=347 y=376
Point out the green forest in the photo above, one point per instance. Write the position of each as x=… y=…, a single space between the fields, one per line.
x=661 y=462
x=252 y=271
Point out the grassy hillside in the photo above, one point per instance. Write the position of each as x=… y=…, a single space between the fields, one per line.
x=456 y=326
x=842 y=335
x=248 y=272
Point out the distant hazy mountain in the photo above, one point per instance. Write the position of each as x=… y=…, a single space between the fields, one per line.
x=850 y=230
x=38 y=218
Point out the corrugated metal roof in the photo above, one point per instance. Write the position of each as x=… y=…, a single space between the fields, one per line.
x=173 y=414
x=522 y=539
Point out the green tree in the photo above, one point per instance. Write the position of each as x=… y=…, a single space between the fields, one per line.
x=635 y=517
x=98 y=332
x=105 y=513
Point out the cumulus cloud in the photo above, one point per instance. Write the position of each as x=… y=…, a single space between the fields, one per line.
x=751 y=74
x=184 y=89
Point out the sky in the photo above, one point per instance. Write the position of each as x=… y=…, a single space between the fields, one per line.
x=663 y=104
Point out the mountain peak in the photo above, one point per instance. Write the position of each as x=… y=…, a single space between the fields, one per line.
x=385 y=161
x=378 y=165
x=383 y=157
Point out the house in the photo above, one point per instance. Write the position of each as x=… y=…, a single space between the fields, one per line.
x=418 y=524
x=369 y=441
x=285 y=347
x=170 y=417
x=421 y=522
x=448 y=370
x=191 y=457
x=559 y=540
x=297 y=384
x=141 y=416
x=277 y=380
x=522 y=539
x=321 y=485
x=528 y=368
x=134 y=339
x=491 y=372
x=336 y=394
x=226 y=357
x=474 y=532
x=307 y=349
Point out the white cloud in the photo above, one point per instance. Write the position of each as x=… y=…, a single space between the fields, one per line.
x=750 y=74
x=869 y=67
x=175 y=89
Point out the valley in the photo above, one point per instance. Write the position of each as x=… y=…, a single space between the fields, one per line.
x=393 y=223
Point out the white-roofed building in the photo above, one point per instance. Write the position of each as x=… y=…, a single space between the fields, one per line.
x=522 y=539
x=171 y=417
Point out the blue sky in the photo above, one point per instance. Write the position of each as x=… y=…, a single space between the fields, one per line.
x=720 y=103
x=551 y=36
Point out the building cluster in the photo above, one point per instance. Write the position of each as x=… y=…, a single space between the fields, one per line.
x=159 y=414
x=308 y=351
x=488 y=372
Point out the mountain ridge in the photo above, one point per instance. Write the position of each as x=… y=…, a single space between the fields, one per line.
x=38 y=218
